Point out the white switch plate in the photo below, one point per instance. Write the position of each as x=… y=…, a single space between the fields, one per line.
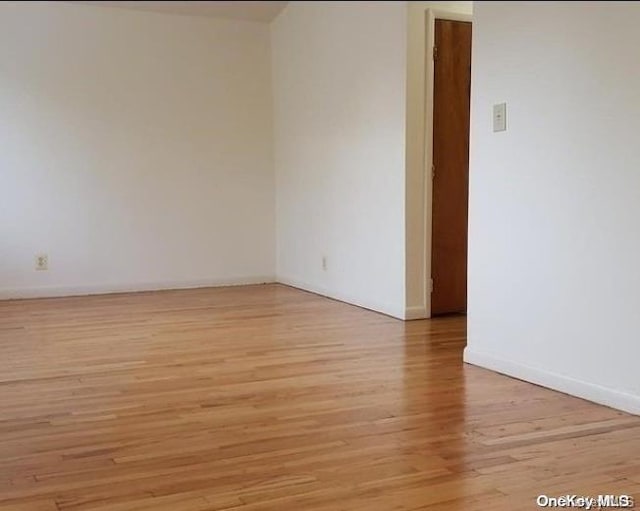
x=500 y=117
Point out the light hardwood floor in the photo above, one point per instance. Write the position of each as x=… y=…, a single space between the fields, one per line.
x=269 y=398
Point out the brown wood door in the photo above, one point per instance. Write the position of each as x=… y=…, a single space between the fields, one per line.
x=452 y=84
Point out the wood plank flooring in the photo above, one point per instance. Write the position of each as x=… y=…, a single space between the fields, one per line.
x=269 y=398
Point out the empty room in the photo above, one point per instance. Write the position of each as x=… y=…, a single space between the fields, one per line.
x=319 y=255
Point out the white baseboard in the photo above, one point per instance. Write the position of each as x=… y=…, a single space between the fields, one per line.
x=100 y=289
x=602 y=395
x=416 y=312
x=384 y=308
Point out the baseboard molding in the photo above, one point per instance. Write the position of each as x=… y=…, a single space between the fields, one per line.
x=416 y=312
x=383 y=308
x=602 y=395
x=101 y=289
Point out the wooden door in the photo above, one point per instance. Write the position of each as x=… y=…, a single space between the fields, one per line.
x=452 y=84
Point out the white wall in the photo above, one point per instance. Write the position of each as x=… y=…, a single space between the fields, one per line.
x=555 y=200
x=418 y=150
x=339 y=72
x=135 y=149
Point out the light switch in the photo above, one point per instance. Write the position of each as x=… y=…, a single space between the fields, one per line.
x=500 y=117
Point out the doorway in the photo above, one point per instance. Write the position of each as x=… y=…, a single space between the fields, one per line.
x=450 y=171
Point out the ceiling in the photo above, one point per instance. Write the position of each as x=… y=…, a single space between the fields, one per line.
x=252 y=11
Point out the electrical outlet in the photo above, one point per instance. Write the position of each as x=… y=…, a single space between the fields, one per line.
x=42 y=262
x=325 y=263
